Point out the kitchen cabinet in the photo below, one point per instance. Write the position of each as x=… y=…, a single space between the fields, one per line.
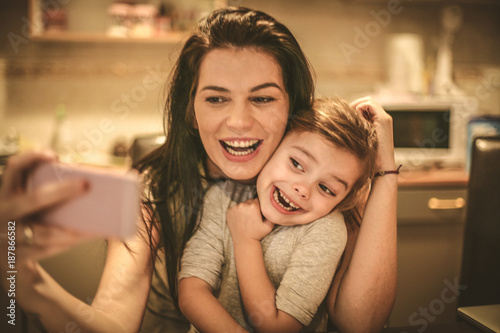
x=431 y=222
x=90 y=21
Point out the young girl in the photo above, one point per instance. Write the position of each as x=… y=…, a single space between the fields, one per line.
x=277 y=255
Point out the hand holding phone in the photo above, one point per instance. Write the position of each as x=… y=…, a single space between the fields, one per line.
x=110 y=207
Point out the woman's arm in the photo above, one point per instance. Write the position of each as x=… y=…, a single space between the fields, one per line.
x=367 y=289
x=117 y=307
x=120 y=300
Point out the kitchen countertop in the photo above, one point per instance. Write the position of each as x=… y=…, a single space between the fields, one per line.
x=433 y=177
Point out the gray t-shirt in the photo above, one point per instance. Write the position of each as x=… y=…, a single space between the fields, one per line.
x=300 y=260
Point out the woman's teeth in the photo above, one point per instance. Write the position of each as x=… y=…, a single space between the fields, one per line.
x=241 y=148
x=283 y=201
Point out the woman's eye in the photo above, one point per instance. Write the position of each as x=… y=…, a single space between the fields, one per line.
x=263 y=100
x=296 y=164
x=215 y=100
x=326 y=190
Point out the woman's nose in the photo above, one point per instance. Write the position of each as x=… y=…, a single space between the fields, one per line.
x=240 y=119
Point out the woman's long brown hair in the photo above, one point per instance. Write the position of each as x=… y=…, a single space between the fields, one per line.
x=176 y=172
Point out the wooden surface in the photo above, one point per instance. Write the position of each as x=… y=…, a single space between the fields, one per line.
x=433 y=177
x=455 y=327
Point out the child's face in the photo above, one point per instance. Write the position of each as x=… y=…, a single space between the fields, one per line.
x=305 y=179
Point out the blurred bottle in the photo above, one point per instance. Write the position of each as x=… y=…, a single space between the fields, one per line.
x=143 y=21
x=61 y=135
x=164 y=19
x=55 y=20
x=120 y=20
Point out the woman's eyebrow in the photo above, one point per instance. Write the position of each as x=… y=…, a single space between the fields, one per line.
x=216 y=88
x=266 y=85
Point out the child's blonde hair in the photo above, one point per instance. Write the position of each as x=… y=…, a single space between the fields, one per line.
x=335 y=120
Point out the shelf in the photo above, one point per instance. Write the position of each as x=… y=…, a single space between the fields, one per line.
x=95 y=37
x=87 y=21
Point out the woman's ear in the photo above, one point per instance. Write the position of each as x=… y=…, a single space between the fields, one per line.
x=190 y=118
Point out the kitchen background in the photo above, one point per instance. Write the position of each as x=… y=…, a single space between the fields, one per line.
x=104 y=92
x=112 y=91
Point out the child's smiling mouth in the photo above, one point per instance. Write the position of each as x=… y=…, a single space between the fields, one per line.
x=283 y=201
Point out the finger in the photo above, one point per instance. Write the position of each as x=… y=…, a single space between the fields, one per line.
x=46 y=235
x=371 y=111
x=360 y=100
x=38 y=252
x=46 y=197
x=366 y=110
x=18 y=166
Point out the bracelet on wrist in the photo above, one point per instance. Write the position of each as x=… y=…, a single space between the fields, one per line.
x=383 y=173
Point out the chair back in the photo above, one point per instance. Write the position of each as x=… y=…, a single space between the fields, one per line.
x=480 y=271
x=144 y=145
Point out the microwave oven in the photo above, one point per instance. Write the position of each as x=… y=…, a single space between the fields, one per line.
x=431 y=133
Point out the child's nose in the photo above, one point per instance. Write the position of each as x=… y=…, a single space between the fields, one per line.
x=303 y=190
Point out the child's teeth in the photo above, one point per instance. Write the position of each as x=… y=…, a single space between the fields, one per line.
x=291 y=205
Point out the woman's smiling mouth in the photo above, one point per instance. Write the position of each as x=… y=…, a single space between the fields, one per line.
x=240 y=147
x=283 y=201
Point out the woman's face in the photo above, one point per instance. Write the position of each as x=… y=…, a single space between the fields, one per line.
x=241 y=109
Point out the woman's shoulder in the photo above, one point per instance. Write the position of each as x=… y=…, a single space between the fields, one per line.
x=233 y=190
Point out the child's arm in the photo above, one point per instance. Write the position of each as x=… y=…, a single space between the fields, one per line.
x=202 y=309
x=313 y=252
x=258 y=293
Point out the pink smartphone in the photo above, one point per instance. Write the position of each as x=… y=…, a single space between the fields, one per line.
x=109 y=208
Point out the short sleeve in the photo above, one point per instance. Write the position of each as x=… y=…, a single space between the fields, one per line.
x=312 y=266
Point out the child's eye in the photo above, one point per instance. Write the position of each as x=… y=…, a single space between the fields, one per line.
x=262 y=100
x=296 y=164
x=326 y=190
x=215 y=100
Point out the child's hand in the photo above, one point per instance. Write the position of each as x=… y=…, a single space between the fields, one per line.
x=245 y=221
x=382 y=121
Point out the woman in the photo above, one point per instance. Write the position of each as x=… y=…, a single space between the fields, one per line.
x=237 y=80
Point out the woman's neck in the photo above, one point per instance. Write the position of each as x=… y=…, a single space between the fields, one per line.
x=216 y=173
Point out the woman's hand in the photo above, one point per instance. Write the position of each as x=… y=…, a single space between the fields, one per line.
x=245 y=221
x=382 y=121
x=19 y=208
